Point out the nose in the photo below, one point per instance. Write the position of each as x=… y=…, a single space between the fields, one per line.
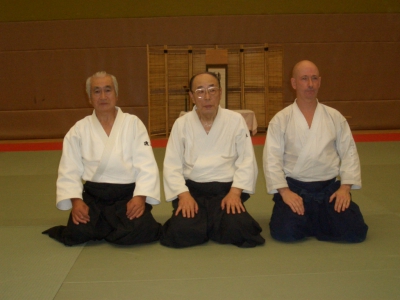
x=207 y=95
x=310 y=82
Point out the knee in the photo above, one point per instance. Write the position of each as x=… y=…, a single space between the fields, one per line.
x=179 y=232
x=286 y=233
x=238 y=229
x=238 y=222
x=357 y=237
x=78 y=234
x=145 y=222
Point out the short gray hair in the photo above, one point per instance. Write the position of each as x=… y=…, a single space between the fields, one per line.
x=101 y=74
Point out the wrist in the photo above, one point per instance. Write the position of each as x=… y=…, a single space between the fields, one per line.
x=73 y=200
x=283 y=190
x=346 y=187
x=139 y=197
x=236 y=191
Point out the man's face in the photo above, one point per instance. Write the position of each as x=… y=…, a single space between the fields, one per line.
x=102 y=94
x=206 y=94
x=306 y=81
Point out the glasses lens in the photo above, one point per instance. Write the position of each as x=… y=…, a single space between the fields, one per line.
x=212 y=90
x=200 y=93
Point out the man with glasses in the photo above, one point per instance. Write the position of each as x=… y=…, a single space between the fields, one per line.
x=209 y=172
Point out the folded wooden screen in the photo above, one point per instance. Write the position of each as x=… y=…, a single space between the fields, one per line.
x=254 y=81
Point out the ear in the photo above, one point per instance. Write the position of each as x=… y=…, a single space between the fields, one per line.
x=220 y=94
x=191 y=97
x=293 y=82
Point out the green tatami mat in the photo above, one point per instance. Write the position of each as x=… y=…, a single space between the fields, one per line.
x=306 y=270
x=32 y=266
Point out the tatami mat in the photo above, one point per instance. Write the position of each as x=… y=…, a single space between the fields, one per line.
x=33 y=266
x=307 y=270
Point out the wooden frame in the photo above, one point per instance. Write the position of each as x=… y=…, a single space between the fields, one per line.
x=255 y=80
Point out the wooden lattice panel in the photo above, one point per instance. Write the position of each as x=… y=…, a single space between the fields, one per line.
x=254 y=81
x=256 y=103
x=157 y=91
x=199 y=60
x=234 y=100
x=254 y=68
x=275 y=81
x=234 y=68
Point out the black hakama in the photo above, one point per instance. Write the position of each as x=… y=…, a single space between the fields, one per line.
x=108 y=220
x=211 y=222
x=320 y=219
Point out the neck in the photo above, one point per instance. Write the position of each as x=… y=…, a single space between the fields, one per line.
x=307 y=104
x=206 y=118
x=207 y=121
x=106 y=117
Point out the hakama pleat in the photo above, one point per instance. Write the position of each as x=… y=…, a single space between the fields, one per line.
x=108 y=220
x=211 y=222
x=320 y=219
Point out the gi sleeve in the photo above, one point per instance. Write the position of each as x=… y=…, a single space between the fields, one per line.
x=245 y=176
x=273 y=158
x=174 y=181
x=70 y=171
x=350 y=170
x=145 y=165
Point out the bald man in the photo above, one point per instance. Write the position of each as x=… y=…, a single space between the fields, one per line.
x=310 y=164
x=209 y=172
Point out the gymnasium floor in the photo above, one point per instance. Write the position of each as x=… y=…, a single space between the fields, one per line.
x=33 y=266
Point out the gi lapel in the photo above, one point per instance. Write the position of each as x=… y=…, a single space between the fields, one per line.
x=205 y=144
x=110 y=143
x=311 y=142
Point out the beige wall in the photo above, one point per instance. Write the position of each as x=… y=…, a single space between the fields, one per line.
x=44 y=64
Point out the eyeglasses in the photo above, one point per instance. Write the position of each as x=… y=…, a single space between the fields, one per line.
x=201 y=93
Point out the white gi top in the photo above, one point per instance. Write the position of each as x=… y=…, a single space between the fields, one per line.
x=225 y=154
x=125 y=156
x=322 y=152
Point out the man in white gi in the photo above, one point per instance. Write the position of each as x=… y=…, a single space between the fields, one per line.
x=209 y=171
x=310 y=164
x=110 y=151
